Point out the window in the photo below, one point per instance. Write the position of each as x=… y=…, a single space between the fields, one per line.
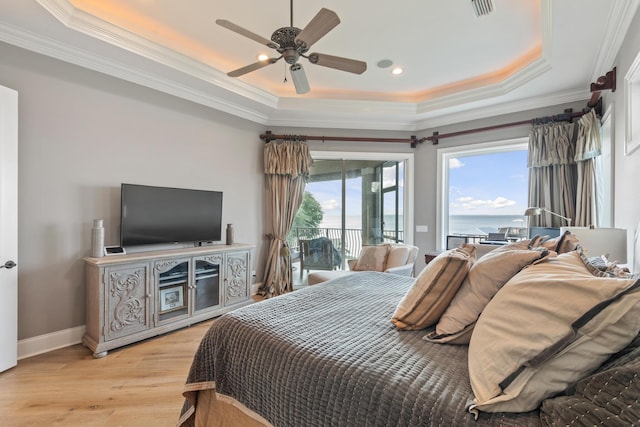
x=482 y=189
x=392 y=201
x=632 y=97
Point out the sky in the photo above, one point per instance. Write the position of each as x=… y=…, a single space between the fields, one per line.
x=490 y=184
x=328 y=194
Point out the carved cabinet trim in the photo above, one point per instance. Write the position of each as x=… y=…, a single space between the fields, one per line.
x=127 y=301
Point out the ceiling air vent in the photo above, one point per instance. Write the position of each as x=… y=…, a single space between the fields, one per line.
x=482 y=7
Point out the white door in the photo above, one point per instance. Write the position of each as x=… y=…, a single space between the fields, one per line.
x=8 y=228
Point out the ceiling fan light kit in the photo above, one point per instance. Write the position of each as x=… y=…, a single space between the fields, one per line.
x=292 y=43
x=482 y=7
x=299 y=79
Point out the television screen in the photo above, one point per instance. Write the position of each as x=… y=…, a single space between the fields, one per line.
x=151 y=215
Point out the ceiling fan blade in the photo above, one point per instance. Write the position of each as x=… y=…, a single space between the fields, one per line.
x=321 y=24
x=252 y=67
x=344 y=64
x=253 y=36
x=299 y=79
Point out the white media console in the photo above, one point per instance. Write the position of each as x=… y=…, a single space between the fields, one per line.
x=140 y=295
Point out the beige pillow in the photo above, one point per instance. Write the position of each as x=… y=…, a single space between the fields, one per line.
x=372 y=258
x=566 y=242
x=484 y=280
x=398 y=256
x=520 y=245
x=549 y=326
x=433 y=289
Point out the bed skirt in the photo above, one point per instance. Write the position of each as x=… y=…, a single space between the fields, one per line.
x=216 y=410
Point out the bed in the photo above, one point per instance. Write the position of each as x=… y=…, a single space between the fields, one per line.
x=328 y=355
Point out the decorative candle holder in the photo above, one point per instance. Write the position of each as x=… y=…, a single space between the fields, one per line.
x=97 y=238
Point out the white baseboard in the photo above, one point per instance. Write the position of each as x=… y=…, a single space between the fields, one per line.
x=255 y=287
x=48 y=342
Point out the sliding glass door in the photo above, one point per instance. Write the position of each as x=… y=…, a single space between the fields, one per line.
x=352 y=202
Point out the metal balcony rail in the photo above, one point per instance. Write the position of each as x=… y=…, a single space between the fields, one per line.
x=352 y=239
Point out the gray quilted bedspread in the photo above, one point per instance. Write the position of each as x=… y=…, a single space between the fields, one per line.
x=328 y=355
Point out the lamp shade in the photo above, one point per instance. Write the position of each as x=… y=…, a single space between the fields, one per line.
x=533 y=212
x=602 y=241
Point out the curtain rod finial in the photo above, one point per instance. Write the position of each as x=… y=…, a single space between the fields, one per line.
x=268 y=136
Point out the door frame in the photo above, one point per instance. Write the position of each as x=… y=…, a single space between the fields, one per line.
x=8 y=226
x=398 y=157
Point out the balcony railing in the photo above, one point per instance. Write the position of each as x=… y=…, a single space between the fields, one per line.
x=352 y=239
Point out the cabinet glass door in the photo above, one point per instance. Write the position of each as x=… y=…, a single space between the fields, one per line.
x=207 y=285
x=173 y=295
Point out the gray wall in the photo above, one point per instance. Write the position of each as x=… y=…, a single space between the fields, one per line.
x=626 y=199
x=81 y=134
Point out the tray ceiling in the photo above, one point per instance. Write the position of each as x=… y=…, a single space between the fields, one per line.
x=526 y=54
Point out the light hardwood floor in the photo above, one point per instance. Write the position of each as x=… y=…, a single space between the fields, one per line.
x=138 y=385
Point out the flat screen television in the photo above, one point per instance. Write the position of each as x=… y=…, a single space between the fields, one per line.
x=153 y=215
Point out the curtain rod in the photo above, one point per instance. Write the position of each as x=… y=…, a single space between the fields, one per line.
x=606 y=82
x=268 y=136
x=568 y=115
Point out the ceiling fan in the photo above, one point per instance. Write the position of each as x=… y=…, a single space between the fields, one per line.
x=292 y=43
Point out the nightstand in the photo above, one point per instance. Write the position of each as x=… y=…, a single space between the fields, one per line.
x=429 y=256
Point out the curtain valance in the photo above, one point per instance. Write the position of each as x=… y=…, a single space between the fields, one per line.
x=287 y=158
x=565 y=143
x=552 y=144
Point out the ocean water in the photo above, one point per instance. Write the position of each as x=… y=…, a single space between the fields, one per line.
x=354 y=221
x=458 y=224
x=483 y=224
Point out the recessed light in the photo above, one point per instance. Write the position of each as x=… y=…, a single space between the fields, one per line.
x=397 y=71
x=385 y=63
x=263 y=57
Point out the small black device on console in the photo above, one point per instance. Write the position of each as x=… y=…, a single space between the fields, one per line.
x=114 y=250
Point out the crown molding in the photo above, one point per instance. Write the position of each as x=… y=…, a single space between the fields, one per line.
x=78 y=20
x=618 y=22
x=71 y=54
x=535 y=69
x=504 y=108
x=92 y=26
x=151 y=65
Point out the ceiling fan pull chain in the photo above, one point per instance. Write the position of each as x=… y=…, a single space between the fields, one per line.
x=285 y=72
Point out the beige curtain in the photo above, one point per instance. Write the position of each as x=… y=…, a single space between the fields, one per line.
x=286 y=166
x=588 y=147
x=561 y=170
